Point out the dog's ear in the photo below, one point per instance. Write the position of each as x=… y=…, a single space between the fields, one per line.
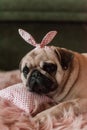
x=65 y=57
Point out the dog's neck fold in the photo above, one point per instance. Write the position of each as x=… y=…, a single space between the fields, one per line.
x=70 y=83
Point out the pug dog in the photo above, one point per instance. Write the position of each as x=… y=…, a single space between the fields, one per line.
x=56 y=72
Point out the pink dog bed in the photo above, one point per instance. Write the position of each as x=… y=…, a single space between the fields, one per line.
x=18 y=106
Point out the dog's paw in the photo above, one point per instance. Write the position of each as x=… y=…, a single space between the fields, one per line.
x=41 y=117
x=51 y=113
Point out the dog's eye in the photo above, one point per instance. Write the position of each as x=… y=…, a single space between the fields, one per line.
x=25 y=71
x=50 y=67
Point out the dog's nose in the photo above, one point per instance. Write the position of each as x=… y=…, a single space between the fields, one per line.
x=34 y=81
x=35 y=74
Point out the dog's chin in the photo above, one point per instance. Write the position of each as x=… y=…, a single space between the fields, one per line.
x=43 y=91
x=40 y=92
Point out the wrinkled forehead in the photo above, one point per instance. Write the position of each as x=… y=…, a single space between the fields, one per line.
x=39 y=54
x=42 y=52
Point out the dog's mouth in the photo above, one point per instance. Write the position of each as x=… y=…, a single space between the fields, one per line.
x=40 y=84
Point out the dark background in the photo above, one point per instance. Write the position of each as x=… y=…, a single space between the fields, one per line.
x=38 y=17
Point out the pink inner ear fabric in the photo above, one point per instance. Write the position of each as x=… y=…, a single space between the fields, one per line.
x=22 y=98
x=48 y=38
x=29 y=38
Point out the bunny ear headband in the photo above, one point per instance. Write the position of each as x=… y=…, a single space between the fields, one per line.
x=29 y=39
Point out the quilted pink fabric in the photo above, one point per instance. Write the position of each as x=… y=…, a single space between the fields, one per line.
x=22 y=98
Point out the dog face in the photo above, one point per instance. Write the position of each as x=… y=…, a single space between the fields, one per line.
x=45 y=70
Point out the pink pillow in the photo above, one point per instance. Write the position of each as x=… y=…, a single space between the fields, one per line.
x=25 y=100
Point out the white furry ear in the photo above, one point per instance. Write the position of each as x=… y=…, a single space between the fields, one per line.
x=48 y=38
x=27 y=37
